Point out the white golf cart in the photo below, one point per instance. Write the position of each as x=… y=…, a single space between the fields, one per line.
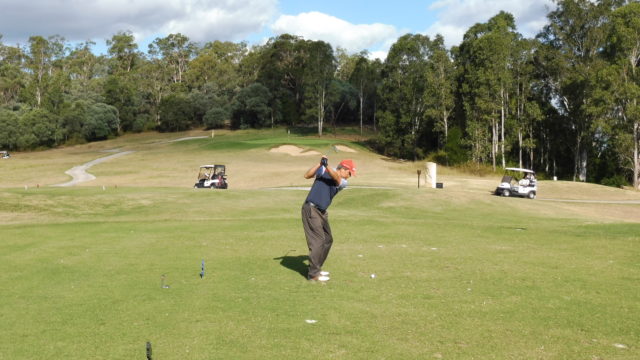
x=212 y=176
x=510 y=185
x=4 y=154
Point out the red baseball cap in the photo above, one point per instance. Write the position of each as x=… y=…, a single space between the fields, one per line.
x=349 y=165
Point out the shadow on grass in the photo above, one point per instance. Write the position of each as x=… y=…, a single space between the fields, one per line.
x=295 y=263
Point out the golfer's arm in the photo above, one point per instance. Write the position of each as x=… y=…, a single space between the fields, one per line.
x=311 y=172
x=334 y=175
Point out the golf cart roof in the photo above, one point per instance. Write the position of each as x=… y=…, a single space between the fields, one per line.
x=521 y=170
x=210 y=166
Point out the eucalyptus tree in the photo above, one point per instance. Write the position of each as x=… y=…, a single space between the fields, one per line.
x=176 y=51
x=123 y=52
x=154 y=79
x=402 y=111
x=342 y=101
x=485 y=61
x=42 y=62
x=120 y=87
x=250 y=108
x=526 y=101
x=281 y=68
x=577 y=31
x=439 y=91
x=365 y=78
x=83 y=67
x=624 y=87
x=346 y=63
x=320 y=68
x=217 y=63
x=9 y=130
x=12 y=78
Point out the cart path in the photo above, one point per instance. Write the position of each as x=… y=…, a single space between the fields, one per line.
x=79 y=173
x=628 y=202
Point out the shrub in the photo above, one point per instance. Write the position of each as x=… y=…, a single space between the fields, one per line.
x=215 y=118
x=618 y=181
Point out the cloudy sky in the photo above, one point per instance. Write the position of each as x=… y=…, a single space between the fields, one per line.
x=355 y=25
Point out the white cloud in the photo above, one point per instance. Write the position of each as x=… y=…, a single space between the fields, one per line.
x=455 y=17
x=337 y=32
x=76 y=20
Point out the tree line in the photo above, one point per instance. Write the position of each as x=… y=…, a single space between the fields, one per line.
x=564 y=103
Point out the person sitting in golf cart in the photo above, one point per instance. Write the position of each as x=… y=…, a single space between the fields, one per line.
x=526 y=180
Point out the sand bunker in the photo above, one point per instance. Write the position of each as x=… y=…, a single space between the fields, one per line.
x=344 y=148
x=293 y=150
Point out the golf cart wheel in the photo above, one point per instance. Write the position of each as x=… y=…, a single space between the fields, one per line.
x=531 y=195
x=506 y=193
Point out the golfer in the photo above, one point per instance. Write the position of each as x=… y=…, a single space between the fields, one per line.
x=315 y=219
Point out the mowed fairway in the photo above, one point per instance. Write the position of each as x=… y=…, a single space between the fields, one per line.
x=460 y=273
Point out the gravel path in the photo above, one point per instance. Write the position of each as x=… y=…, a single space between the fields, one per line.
x=79 y=173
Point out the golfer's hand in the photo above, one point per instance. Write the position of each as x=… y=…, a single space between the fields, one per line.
x=324 y=161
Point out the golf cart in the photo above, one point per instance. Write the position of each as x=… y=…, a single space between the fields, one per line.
x=4 y=154
x=212 y=176
x=526 y=186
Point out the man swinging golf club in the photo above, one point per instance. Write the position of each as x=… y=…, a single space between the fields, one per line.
x=315 y=218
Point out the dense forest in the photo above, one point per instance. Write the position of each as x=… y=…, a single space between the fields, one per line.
x=564 y=103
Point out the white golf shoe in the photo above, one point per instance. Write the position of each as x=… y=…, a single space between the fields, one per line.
x=321 y=278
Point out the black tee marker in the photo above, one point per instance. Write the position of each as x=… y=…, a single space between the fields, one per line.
x=149 y=351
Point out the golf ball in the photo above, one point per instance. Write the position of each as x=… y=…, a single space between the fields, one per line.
x=373 y=276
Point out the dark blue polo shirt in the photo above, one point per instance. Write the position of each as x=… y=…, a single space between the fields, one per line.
x=324 y=188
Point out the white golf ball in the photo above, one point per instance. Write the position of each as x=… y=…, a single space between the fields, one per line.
x=373 y=276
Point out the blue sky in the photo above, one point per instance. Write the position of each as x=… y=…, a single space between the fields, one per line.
x=354 y=25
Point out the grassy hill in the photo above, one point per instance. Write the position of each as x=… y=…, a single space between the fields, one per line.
x=460 y=273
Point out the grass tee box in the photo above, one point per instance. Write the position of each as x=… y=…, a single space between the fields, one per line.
x=82 y=275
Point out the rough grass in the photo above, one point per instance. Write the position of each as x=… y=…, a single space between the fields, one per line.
x=460 y=274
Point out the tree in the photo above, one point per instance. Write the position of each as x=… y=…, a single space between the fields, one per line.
x=250 y=108
x=624 y=86
x=176 y=50
x=439 y=91
x=402 y=115
x=123 y=51
x=39 y=127
x=9 y=129
x=525 y=100
x=40 y=63
x=342 y=99
x=12 y=79
x=485 y=60
x=364 y=78
x=102 y=121
x=217 y=63
x=216 y=117
x=281 y=68
x=319 y=71
x=577 y=31
x=176 y=113
x=121 y=94
x=82 y=69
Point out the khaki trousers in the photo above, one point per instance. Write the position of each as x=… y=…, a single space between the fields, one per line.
x=319 y=238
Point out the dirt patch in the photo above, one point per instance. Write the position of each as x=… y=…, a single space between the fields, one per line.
x=344 y=148
x=293 y=150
